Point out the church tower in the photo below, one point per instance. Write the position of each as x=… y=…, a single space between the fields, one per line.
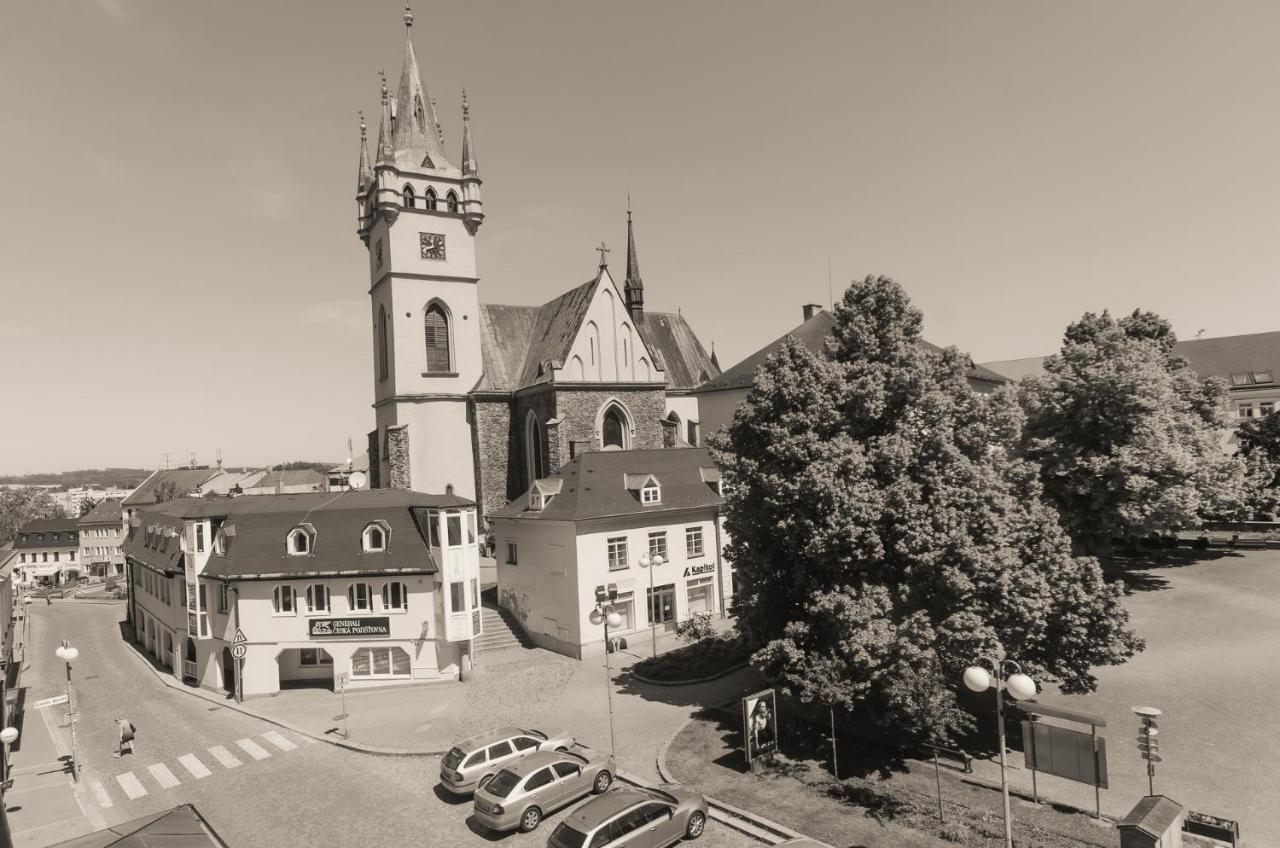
x=418 y=217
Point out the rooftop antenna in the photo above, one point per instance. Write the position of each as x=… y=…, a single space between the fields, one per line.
x=350 y=460
x=193 y=459
x=830 y=297
x=218 y=453
x=166 y=460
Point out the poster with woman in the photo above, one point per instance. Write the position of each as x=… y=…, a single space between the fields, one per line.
x=760 y=724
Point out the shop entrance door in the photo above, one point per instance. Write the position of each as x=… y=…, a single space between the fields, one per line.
x=228 y=671
x=662 y=605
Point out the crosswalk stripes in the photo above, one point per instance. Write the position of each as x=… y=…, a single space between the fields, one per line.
x=279 y=741
x=193 y=765
x=224 y=756
x=163 y=776
x=100 y=795
x=253 y=749
x=131 y=785
x=134 y=788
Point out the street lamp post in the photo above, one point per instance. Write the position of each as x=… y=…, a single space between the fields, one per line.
x=1021 y=687
x=605 y=614
x=8 y=736
x=650 y=562
x=68 y=654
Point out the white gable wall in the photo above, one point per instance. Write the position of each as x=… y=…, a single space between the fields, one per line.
x=608 y=347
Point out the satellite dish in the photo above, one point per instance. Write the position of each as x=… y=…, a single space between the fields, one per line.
x=357 y=480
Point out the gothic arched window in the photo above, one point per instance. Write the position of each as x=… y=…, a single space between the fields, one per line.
x=535 y=453
x=613 y=429
x=437 y=338
x=409 y=197
x=429 y=199
x=382 y=343
x=451 y=202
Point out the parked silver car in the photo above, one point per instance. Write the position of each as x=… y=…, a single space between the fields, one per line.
x=535 y=785
x=473 y=761
x=653 y=818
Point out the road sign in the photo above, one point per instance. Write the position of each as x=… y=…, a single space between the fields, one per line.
x=238 y=650
x=239 y=640
x=341 y=681
x=49 y=702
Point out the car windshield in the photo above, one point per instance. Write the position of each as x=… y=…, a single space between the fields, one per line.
x=536 y=733
x=565 y=836
x=660 y=795
x=503 y=783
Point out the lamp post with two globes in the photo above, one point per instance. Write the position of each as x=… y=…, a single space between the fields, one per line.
x=68 y=654
x=1008 y=676
x=651 y=561
x=605 y=614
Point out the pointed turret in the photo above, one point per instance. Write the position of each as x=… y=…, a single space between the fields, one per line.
x=386 y=155
x=365 y=176
x=714 y=360
x=472 y=207
x=634 y=287
x=416 y=132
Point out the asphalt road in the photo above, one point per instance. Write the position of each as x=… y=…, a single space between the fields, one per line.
x=257 y=784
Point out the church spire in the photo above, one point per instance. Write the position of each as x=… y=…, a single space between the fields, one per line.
x=385 y=152
x=634 y=288
x=472 y=207
x=365 y=176
x=416 y=133
x=468 y=149
x=714 y=360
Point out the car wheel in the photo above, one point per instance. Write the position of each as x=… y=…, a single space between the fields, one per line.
x=694 y=828
x=530 y=820
x=602 y=782
x=561 y=748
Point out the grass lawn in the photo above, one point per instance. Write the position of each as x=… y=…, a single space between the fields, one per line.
x=894 y=808
x=694 y=662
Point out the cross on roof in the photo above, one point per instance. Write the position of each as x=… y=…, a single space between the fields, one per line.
x=603 y=250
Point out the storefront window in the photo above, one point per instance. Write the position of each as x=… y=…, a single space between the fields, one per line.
x=314 y=657
x=700 y=595
x=625 y=606
x=380 y=662
x=662 y=604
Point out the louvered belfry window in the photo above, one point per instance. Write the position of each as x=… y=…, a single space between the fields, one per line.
x=437 y=339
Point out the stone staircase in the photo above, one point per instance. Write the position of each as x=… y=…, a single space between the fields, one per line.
x=500 y=630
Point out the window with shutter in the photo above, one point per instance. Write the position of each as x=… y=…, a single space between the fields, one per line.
x=437 y=339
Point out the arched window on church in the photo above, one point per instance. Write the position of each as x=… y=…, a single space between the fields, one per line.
x=535 y=451
x=429 y=199
x=437 y=339
x=409 y=197
x=613 y=430
x=382 y=343
x=451 y=202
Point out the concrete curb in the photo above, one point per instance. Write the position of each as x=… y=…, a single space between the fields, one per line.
x=232 y=705
x=719 y=674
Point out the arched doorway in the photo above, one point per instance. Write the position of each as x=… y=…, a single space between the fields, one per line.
x=189 y=661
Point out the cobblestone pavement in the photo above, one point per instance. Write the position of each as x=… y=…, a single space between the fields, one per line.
x=257 y=784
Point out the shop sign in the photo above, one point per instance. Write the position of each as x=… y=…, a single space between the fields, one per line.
x=705 y=568
x=365 y=626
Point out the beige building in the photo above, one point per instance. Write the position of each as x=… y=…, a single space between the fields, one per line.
x=102 y=540
x=604 y=520
x=375 y=587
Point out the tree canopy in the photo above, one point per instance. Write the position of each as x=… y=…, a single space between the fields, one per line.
x=883 y=533
x=20 y=506
x=1128 y=438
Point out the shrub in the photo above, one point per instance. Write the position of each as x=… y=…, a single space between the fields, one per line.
x=695 y=628
x=954 y=832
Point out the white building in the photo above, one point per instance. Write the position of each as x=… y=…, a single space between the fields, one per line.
x=102 y=539
x=379 y=586
x=47 y=552
x=591 y=524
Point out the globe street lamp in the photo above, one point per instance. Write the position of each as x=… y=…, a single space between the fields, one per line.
x=8 y=736
x=68 y=654
x=605 y=614
x=650 y=561
x=1021 y=687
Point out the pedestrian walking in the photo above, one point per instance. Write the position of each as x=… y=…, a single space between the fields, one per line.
x=127 y=733
x=48 y=599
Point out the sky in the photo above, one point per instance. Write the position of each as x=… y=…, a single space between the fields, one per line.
x=179 y=269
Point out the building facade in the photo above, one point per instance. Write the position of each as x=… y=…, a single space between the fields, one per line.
x=482 y=397
x=102 y=540
x=48 y=552
x=604 y=520
x=373 y=588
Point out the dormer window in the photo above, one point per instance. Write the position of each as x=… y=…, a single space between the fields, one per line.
x=711 y=476
x=651 y=494
x=539 y=501
x=646 y=487
x=542 y=492
x=375 y=537
x=300 y=541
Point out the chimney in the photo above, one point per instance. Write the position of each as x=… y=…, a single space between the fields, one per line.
x=811 y=309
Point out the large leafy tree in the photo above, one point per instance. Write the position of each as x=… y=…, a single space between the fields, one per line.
x=883 y=534
x=20 y=506
x=1129 y=439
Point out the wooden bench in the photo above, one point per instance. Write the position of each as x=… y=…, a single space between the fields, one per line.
x=960 y=758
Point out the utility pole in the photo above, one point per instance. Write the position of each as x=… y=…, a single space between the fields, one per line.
x=1148 y=744
x=166 y=461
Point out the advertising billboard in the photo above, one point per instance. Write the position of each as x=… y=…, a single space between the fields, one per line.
x=760 y=724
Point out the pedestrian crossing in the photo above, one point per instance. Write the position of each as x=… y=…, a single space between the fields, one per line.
x=134 y=788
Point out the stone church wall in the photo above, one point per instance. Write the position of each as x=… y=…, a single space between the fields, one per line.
x=578 y=409
x=496 y=467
